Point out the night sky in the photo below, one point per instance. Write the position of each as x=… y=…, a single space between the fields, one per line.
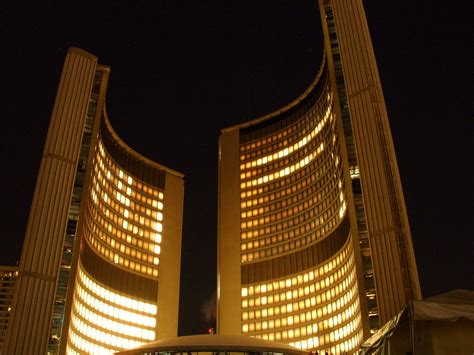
x=181 y=71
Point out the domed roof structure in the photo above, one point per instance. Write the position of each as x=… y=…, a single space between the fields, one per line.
x=205 y=342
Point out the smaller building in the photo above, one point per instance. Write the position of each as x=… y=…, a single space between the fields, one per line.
x=205 y=344
x=8 y=275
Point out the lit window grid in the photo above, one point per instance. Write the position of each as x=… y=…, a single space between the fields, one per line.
x=147 y=239
x=121 y=201
x=119 y=188
x=295 y=157
x=125 y=250
x=348 y=338
x=294 y=239
x=267 y=231
x=78 y=345
x=82 y=312
x=317 y=279
x=128 y=208
x=312 y=331
x=131 y=265
x=294 y=209
x=284 y=172
x=297 y=191
x=86 y=333
x=340 y=325
x=104 y=321
x=290 y=149
x=294 y=130
x=319 y=167
x=116 y=212
x=318 y=171
x=292 y=199
x=268 y=234
x=136 y=306
x=115 y=312
x=328 y=306
x=129 y=180
x=347 y=304
x=303 y=190
x=123 y=204
x=291 y=214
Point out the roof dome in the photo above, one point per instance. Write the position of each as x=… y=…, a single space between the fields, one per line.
x=213 y=342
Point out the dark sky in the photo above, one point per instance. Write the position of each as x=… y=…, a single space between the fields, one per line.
x=182 y=70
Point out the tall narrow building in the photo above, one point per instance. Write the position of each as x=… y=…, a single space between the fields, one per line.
x=100 y=265
x=314 y=245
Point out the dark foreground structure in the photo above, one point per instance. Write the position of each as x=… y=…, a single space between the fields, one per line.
x=314 y=244
x=213 y=344
x=102 y=249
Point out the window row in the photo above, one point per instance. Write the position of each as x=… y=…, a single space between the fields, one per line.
x=116 y=253
x=290 y=148
x=299 y=324
x=307 y=191
x=293 y=159
x=303 y=279
x=313 y=293
x=123 y=206
x=291 y=208
x=117 y=172
x=125 y=218
x=124 y=193
x=284 y=172
x=116 y=305
x=293 y=130
x=349 y=338
x=318 y=168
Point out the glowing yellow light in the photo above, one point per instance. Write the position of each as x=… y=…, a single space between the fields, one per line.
x=288 y=150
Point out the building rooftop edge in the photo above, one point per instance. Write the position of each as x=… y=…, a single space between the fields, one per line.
x=83 y=53
x=134 y=153
x=284 y=108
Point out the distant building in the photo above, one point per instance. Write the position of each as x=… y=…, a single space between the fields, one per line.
x=314 y=245
x=8 y=275
x=99 y=270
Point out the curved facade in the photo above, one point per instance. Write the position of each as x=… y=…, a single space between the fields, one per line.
x=109 y=261
x=115 y=300
x=304 y=256
x=298 y=282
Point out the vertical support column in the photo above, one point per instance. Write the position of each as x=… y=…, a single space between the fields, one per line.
x=396 y=276
x=228 y=236
x=170 y=259
x=44 y=238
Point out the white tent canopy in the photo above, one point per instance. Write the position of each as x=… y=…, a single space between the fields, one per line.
x=427 y=327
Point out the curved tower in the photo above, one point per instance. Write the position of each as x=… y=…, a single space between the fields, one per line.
x=100 y=266
x=314 y=247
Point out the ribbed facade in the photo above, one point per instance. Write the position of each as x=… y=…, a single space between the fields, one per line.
x=100 y=266
x=300 y=259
